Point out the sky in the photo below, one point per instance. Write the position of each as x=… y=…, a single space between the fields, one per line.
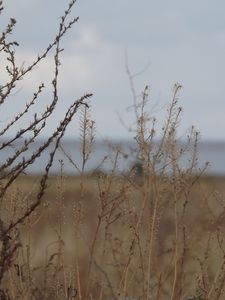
x=166 y=41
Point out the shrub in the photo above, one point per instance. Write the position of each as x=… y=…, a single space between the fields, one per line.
x=16 y=164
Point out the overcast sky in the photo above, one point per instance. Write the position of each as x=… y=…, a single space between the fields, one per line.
x=179 y=41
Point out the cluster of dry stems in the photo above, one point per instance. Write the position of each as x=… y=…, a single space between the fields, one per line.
x=121 y=235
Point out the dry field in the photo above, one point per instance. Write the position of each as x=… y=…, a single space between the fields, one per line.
x=110 y=237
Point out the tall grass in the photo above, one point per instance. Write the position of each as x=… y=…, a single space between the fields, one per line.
x=155 y=233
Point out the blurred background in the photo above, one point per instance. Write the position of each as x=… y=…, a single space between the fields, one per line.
x=162 y=42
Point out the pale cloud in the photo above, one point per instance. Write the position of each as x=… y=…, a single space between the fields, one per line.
x=89 y=38
x=73 y=70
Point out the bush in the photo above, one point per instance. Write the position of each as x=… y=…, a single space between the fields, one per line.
x=17 y=163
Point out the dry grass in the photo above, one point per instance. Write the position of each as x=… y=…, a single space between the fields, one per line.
x=103 y=245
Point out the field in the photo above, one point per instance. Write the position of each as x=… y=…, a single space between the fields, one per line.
x=104 y=237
